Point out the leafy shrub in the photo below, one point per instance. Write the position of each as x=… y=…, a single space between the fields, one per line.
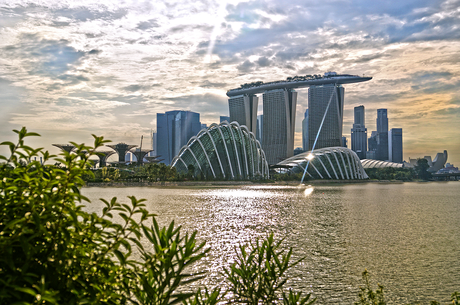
x=259 y=273
x=51 y=251
x=367 y=296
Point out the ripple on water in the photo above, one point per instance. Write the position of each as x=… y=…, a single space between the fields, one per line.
x=406 y=235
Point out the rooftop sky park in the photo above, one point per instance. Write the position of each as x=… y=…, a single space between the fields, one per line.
x=297 y=82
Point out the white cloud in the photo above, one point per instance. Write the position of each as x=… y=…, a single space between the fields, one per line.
x=73 y=68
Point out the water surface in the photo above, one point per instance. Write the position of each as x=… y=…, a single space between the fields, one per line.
x=407 y=235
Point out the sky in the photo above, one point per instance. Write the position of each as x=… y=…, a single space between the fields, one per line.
x=69 y=69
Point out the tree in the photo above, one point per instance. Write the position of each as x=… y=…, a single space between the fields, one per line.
x=422 y=169
x=190 y=171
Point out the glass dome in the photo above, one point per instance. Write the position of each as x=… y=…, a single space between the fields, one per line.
x=328 y=163
x=225 y=151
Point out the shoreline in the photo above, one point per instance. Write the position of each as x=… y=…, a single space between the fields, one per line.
x=240 y=183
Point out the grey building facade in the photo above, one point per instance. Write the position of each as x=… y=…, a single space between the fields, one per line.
x=174 y=129
x=224 y=118
x=331 y=131
x=259 y=128
x=395 y=145
x=382 y=135
x=279 y=108
x=243 y=109
x=359 y=133
x=305 y=131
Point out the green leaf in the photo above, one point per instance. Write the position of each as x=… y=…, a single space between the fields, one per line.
x=26 y=290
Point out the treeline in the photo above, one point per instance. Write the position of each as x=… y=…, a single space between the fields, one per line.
x=391 y=173
x=152 y=172
x=419 y=171
x=158 y=172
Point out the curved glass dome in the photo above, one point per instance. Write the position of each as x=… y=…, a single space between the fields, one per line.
x=328 y=163
x=227 y=151
x=368 y=163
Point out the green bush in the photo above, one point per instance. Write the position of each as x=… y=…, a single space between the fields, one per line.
x=53 y=252
x=259 y=273
x=367 y=296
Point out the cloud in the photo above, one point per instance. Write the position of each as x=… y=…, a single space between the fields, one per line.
x=111 y=66
x=146 y=25
x=94 y=52
x=44 y=56
x=208 y=84
x=210 y=106
x=136 y=87
x=82 y=13
x=263 y=61
x=246 y=66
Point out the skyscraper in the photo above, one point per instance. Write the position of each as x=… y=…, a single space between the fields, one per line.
x=174 y=129
x=224 y=118
x=318 y=99
x=243 y=109
x=372 y=145
x=278 y=127
x=359 y=133
x=395 y=145
x=382 y=135
x=259 y=128
x=382 y=120
x=154 y=144
x=305 y=131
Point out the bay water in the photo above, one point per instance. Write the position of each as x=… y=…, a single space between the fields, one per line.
x=407 y=235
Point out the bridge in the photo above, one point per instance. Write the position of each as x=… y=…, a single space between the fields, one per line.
x=297 y=82
x=447 y=176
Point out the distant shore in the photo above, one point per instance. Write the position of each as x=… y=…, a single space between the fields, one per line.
x=236 y=183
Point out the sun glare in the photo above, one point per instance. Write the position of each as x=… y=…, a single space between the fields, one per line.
x=308 y=191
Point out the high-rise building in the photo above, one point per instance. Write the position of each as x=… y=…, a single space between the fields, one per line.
x=344 y=142
x=243 y=109
x=305 y=131
x=395 y=145
x=359 y=133
x=382 y=135
x=259 y=128
x=278 y=126
x=154 y=144
x=224 y=118
x=372 y=145
x=331 y=131
x=382 y=120
x=174 y=129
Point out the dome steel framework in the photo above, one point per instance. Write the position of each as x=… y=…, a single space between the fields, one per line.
x=368 y=163
x=338 y=163
x=227 y=151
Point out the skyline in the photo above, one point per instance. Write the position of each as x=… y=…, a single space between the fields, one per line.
x=71 y=70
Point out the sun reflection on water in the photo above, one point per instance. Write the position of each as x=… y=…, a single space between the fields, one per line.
x=340 y=230
x=308 y=191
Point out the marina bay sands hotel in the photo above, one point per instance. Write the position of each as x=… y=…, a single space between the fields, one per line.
x=279 y=109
